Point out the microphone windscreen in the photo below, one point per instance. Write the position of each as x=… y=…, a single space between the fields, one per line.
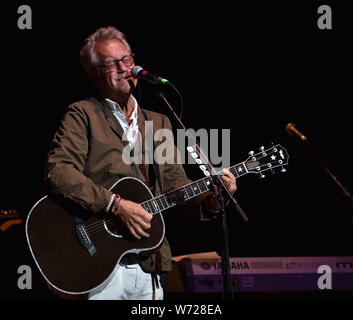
x=293 y=131
x=135 y=71
x=289 y=128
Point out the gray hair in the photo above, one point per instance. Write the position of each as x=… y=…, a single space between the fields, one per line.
x=88 y=55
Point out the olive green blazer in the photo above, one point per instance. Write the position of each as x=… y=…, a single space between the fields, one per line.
x=85 y=160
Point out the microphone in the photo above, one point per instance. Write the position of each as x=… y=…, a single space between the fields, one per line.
x=139 y=73
x=293 y=131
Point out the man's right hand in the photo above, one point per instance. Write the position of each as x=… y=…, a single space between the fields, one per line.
x=135 y=218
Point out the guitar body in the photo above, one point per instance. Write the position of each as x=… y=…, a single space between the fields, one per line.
x=68 y=267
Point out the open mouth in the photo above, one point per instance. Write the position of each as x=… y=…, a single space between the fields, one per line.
x=124 y=76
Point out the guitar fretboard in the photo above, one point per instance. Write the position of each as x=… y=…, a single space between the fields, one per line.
x=189 y=191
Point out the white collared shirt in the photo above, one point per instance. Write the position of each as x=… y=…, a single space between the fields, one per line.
x=131 y=131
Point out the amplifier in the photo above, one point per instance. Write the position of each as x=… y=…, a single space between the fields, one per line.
x=201 y=272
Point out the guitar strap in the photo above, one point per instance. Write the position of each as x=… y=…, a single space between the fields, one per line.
x=153 y=172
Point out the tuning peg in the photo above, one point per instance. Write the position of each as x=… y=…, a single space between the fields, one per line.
x=251 y=153
x=283 y=169
x=262 y=148
x=262 y=176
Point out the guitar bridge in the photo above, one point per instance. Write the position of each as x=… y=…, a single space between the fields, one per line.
x=83 y=237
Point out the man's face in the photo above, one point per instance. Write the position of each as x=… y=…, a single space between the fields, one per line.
x=112 y=75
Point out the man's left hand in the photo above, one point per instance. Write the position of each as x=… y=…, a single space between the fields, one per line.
x=229 y=181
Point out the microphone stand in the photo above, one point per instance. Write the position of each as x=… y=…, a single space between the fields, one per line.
x=223 y=192
x=324 y=165
x=291 y=130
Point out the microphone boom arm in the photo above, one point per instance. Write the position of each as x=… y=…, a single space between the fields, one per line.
x=226 y=274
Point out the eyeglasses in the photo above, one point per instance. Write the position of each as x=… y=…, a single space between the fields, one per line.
x=113 y=65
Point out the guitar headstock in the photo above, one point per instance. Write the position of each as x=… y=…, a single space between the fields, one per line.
x=268 y=159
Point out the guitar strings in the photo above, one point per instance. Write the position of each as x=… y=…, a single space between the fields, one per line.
x=98 y=226
x=258 y=159
x=99 y=229
x=100 y=223
x=148 y=205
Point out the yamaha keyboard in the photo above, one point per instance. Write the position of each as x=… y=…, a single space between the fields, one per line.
x=201 y=273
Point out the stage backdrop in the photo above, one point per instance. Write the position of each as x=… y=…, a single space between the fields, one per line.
x=251 y=68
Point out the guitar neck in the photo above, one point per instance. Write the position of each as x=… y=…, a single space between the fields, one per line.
x=187 y=192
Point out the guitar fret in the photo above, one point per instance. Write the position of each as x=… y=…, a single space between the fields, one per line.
x=153 y=208
x=196 y=188
x=234 y=172
x=159 y=203
x=186 y=193
x=207 y=183
x=154 y=205
x=149 y=208
x=171 y=199
x=189 y=191
x=203 y=186
x=165 y=201
x=239 y=170
x=181 y=195
x=145 y=205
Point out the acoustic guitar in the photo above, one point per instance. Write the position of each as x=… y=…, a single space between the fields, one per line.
x=77 y=251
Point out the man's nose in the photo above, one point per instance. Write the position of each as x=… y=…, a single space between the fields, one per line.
x=121 y=67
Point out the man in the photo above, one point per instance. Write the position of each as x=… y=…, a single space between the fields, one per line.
x=85 y=160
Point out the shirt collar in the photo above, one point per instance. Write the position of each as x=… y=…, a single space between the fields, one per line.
x=116 y=107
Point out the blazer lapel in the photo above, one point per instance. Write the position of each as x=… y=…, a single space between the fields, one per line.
x=141 y=125
x=114 y=123
x=147 y=132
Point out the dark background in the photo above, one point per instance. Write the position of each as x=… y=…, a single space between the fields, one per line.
x=251 y=67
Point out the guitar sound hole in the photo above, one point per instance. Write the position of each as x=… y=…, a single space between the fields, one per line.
x=112 y=228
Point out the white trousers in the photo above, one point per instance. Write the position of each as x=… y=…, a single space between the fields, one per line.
x=130 y=282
